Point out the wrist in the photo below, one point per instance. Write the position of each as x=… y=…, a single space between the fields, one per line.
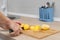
x=8 y=20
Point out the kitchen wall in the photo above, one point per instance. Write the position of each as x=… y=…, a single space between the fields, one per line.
x=31 y=6
x=0 y=2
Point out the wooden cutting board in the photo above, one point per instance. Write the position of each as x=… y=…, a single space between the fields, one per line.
x=41 y=34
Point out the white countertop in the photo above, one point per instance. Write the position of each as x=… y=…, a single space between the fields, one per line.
x=55 y=25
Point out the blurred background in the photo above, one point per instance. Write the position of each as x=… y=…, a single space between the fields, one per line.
x=30 y=7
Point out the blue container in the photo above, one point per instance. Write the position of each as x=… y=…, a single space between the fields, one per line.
x=46 y=14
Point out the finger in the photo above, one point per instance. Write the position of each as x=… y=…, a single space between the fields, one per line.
x=12 y=34
x=4 y=27
x=15 y=33
x=14 y=27
x=18 y=22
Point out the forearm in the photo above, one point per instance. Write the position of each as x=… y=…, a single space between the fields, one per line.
x=3 y=18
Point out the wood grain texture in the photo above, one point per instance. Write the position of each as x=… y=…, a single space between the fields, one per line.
x=41 y=34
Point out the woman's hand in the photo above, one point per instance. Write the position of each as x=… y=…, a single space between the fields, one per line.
x=15 y=27
x=11 y=25
x=7 y=24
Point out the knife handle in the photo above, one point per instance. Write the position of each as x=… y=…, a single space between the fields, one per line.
x=10 y=30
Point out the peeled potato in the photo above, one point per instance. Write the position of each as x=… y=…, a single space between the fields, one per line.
x=22 y=25
x=45 y=27
x=38 y=27
x=35 y=28
x=32 y=28
x=26 y=26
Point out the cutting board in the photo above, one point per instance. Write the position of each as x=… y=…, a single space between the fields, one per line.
x=41 y=34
